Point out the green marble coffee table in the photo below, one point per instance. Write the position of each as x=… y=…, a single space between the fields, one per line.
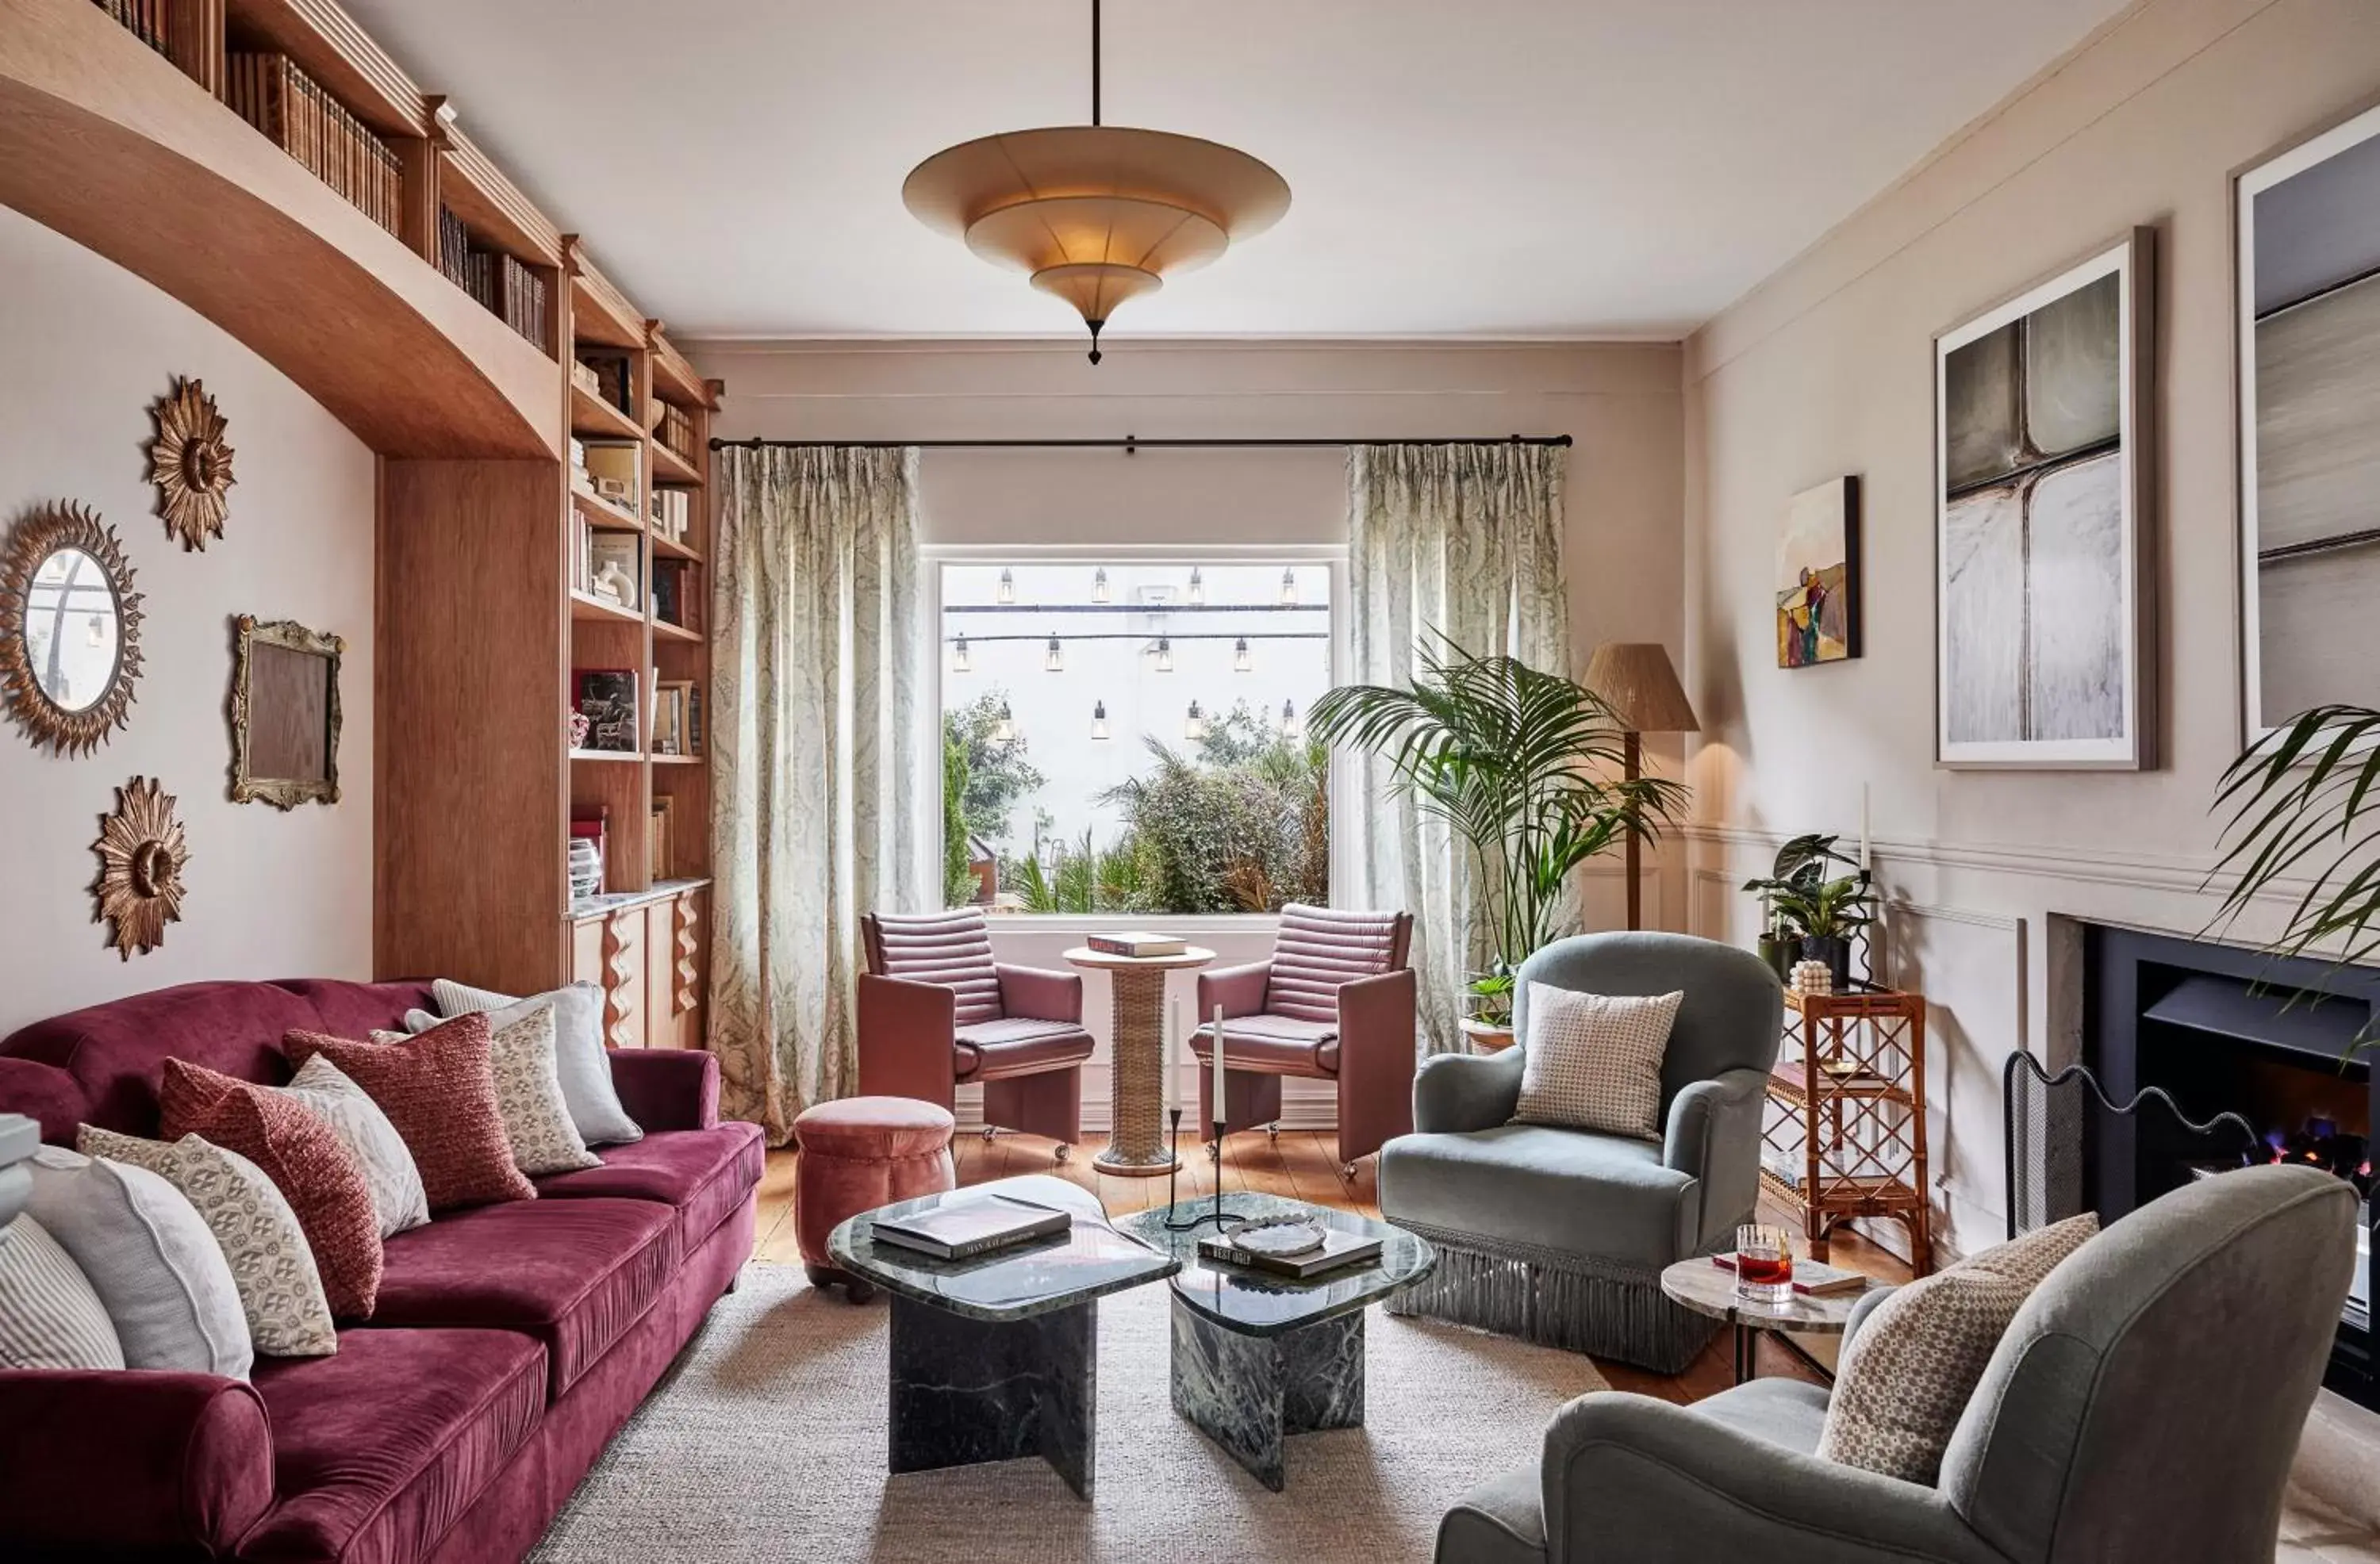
x=993 y=1358
x=1259 y=1357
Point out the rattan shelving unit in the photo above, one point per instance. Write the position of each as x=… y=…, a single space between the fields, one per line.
x=1844 y=1132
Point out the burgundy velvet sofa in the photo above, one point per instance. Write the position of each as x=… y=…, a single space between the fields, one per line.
x=510 y=1343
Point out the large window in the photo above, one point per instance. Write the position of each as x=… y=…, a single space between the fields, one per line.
x=1130 y=737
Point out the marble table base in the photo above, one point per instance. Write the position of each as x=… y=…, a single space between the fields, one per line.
x=1248 y=1393
x=967 y=1390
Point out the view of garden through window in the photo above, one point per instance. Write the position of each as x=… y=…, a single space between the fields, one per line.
x=1131 y=738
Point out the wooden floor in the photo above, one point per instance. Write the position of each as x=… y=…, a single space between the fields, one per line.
x=1298 y=1163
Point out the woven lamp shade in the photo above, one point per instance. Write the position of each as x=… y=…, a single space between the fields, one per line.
x=1096 y=214
x=1636 y=678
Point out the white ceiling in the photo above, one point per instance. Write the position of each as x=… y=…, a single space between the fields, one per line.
x=1487 y=168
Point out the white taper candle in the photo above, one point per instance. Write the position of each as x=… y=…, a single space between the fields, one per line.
x=1172 y=1053
x=1218 y=1065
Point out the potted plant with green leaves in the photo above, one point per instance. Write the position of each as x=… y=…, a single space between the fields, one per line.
x=1813 y=912
x=1522 y=767
x=2303 y=803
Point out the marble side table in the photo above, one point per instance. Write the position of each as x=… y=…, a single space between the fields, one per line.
x=993 y=1358
x=1708 y=1289
x=1137 y=1147
x=1259 y=1357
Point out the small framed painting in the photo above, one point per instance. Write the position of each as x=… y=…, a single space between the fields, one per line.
x=2309 y=346
x=2042 y=614
x=1818 y=576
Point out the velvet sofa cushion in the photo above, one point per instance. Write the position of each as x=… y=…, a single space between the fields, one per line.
x=1539 y=1187
x=439 y=1089
x=307 y=1161
x=377 y=1451
x=572 y=1275
x=114 y=1053
x=105 y=1464
x=703 y=1175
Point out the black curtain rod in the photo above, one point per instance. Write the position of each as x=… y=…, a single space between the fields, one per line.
x=1134 y=442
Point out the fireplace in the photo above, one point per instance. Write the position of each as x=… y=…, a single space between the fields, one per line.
x=2225 y=1031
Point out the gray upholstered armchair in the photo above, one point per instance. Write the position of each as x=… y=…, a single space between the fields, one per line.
x=1560 y=1235
x=2144 y=1408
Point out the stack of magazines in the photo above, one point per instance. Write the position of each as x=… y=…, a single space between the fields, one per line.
x=1136 y=944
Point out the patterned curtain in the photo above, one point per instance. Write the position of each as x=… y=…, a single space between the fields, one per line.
x=1464 y=542
x=817 y=759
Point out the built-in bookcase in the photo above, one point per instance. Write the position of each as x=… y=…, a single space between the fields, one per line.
x=266 y=163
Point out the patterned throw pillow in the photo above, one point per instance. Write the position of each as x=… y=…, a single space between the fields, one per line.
x=147 y=1253
x=529 y=1094
x=279 y=1290
x=1905 y=1379
x=1592 y=1061
x=49 y=1315
x=440 y=1091
x=305 y=1159
x=579 y=1056
x=370 y=1139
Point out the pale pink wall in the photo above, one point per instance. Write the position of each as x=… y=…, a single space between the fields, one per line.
x=271 y=895
x=1826 y=369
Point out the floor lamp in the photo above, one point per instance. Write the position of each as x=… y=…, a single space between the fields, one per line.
x=1635 y=678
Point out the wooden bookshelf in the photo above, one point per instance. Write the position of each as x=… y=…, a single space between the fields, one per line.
x=135 y=153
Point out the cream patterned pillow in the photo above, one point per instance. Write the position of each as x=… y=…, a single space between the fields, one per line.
x=279 y=1290
x=528 y=1096
x=1592 y=1061
x=1905 y=1379
x=389 y=1173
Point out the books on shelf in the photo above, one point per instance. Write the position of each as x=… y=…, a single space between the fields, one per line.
x=616 y=562
x=296 y=115
x=615 y=381
x=145 y=19
x=674 y=600
x=1137 y=944
x=962 y=1228
x=587 y=852
x=1812 y=1279
x=515 y=292
x=659 y=835
x=676 y=431
x=674 y=724
x=1339 y=1251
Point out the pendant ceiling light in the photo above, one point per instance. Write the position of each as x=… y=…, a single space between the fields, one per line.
x=1095 y=213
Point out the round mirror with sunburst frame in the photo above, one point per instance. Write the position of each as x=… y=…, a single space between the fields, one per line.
x=69 y=628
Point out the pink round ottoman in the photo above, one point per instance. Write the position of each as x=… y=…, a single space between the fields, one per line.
x=856 y=1154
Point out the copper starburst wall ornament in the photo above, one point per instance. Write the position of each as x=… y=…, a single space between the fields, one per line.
x=190 y=465
x=140 y=853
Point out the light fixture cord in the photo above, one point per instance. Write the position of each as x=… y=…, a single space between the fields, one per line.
x=1095 y=70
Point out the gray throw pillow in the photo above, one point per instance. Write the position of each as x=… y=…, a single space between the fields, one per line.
x=49 y=1315
x=148 y=1255
x=398 y=1199
x=579 y=1061
x=1905 y=1379
x=1592 y=1061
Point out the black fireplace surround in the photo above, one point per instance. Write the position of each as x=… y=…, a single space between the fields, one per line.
x=2223 y=1029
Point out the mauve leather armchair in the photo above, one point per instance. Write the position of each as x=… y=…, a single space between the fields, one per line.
x=1334 y=1003
x=937 y=1012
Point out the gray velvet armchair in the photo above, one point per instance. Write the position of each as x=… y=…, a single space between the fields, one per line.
x=2144 y=1408
x=1560 y=1236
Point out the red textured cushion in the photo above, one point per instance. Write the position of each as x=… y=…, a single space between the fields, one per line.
x=440 y=1092
x=307 y=1162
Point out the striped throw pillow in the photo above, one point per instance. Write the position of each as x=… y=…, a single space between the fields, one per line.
x=49 y=1315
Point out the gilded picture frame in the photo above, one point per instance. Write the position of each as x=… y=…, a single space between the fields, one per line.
x=285 y=714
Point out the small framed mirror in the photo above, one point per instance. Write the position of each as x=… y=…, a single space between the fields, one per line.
x=285 y=714
x=69 y=628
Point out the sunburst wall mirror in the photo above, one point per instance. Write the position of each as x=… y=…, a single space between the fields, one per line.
x=69 y=628
x=142 y=853
x=190 y=465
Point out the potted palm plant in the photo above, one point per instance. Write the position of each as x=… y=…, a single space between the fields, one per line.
x=1519 y=763
x=2302 y=801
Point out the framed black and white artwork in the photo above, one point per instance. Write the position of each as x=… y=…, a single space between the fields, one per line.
x=2309 y=363
x=2044 y=620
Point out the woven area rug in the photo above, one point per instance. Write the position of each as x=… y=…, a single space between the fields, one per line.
x=767 y=1441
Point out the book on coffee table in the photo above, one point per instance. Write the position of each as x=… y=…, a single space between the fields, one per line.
x=1813 y=1279
x=1339 y=1251
x=1136 y=944
x=964 y=1229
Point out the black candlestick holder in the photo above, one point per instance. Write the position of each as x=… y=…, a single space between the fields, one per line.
x=1223 y=1220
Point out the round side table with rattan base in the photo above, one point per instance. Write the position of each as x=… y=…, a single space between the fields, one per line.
x=1137 y=1147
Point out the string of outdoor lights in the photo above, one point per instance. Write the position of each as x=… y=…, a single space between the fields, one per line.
x=1161 y=650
